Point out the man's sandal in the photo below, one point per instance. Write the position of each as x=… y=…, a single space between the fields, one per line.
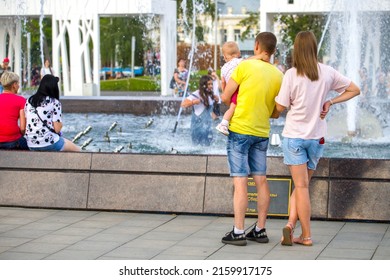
x=287 y=238
x=305 y=241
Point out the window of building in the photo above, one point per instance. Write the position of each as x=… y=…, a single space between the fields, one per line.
x=224 y=35
x=237 y=34
x=290 y=1
x=252 y=34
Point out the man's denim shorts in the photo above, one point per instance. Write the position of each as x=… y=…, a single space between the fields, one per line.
x=299 y=151
x=57 y=146
x=247 y=154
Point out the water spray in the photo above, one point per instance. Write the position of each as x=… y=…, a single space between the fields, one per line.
x=326 y=27
x=190 y=66
x=42 y=2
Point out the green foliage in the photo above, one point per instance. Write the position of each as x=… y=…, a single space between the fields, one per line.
x=185 y=15
x=291 y=25
x=115 y=40
x=31 y=25
x=113 y=32
x=130 y=84
x=145 y=83
x=250 y=23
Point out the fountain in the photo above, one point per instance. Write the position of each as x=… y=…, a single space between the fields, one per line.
x=356 y=41
x=359 y=48
x=368 y=121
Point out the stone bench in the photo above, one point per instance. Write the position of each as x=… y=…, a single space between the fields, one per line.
x=341 y=189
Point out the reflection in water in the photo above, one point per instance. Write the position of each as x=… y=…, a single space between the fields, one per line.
x=132 y=135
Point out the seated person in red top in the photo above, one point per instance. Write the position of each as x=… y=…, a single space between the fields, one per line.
x=12 y=111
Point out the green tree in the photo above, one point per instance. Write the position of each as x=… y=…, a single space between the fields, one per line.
x=292 y=24
x=115 y=40
x=184 y=10
x=32 y=26
x=250 y=23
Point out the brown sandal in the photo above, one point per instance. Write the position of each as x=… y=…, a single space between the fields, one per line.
x=305 y=241
x=287 y=238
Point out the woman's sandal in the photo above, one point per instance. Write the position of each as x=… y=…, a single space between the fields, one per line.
x=305 y=241
x=287 y=238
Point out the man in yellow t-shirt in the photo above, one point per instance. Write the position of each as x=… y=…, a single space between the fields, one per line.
x=259 y=83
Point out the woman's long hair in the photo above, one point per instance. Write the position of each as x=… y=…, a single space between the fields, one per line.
x=305 y=55
x=47 y=87
x=203 y=89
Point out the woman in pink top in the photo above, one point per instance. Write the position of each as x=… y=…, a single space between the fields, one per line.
x=304 y=91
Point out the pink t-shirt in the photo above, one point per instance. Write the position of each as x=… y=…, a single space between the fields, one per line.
x=226 y=72
x=10 y=106
x=306 y=98
x=228 y=67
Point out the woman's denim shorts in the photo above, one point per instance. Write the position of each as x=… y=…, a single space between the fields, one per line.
x=247 y=154
x=299 y=151
x=57 y=146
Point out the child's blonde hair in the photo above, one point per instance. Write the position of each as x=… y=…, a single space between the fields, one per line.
x=230 y=49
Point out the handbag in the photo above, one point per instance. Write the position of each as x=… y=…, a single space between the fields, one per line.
x=172 y=83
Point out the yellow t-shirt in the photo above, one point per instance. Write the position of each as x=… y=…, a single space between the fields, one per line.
x=259 y=83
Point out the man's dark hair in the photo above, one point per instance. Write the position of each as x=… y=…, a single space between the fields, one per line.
x=267 y=42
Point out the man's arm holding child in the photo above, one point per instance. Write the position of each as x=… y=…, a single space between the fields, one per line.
x=230 y=88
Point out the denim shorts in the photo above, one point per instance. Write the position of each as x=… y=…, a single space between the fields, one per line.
x=299 y=151
x=57 y=146
x=20 y=144
x=247 y=154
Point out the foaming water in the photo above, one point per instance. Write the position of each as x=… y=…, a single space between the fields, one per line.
x=358 y=47
x=133 y=135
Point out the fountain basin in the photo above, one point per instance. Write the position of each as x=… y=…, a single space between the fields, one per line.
x=342 y=189
x=134 y=112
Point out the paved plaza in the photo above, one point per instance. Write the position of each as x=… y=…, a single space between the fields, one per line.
x=52 y=234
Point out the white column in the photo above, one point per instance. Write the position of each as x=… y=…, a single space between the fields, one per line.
x=168 y=42
x=96 y=55
x=216 y=35
x=28 y=68
x=230 y=33
x=76 y=62
x=12 y=28
x=3 y=36
x=16 y=48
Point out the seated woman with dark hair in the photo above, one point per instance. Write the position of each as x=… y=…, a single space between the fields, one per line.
x=11 y=111
x=44 y=119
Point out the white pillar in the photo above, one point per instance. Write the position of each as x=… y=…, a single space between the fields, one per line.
x=11 y=27
x=230 y=33
x=3 y=36
x=28 y=68
x=168 y=42
x=17 y=48
x=96 y=55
